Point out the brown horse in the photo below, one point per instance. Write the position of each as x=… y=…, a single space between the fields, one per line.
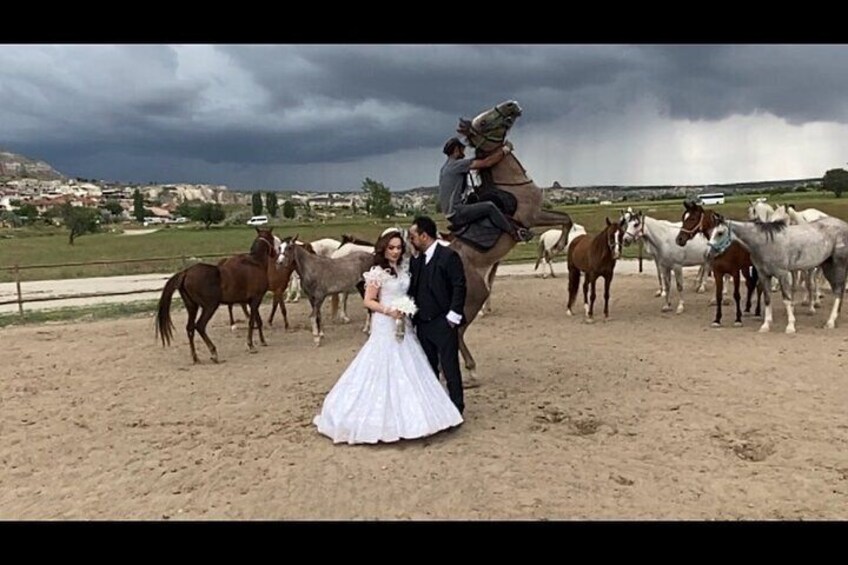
x=242 y=279
x=278 y=280
x=596 y=257
x=487 y=133
x=735 y=259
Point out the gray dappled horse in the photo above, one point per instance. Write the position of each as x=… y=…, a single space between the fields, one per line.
x=776 y=249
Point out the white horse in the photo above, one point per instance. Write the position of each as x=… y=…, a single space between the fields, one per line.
x=810 y=279
x=777 y=248
x=554 y=242
x=660 y=240
x=804 y=216
x=662 y=288
x=760 y=211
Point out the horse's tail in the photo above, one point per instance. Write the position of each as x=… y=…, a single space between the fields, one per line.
x=164 y=326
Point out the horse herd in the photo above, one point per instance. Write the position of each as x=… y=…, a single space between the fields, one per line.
x=780 y=243
x=792 y=247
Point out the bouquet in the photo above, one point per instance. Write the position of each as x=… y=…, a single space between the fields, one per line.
x=405 y=305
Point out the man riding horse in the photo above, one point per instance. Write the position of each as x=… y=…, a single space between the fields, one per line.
x=453 y=179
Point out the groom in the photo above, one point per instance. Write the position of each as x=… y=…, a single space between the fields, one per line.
x=438 y=289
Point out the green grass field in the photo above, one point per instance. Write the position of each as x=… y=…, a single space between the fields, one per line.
x=49 y=245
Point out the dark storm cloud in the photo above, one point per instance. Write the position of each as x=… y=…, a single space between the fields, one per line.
x=301 y=104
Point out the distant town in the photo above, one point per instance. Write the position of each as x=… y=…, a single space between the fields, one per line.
x=25 y=182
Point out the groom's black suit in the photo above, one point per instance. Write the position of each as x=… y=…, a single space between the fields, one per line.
x=437 y=288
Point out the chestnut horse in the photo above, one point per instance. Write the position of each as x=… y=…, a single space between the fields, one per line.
x=733 y=260
x=278 y=281
x=487 y=133
x=242 y=279
x=595 y=256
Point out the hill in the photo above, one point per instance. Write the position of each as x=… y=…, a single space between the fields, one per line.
x=14 y=166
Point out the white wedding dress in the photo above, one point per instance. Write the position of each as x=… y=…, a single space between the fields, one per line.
x=389 y=391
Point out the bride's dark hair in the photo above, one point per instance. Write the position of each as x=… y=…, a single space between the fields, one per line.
x=380 y=251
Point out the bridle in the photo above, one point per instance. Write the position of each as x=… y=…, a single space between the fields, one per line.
x=700 y=227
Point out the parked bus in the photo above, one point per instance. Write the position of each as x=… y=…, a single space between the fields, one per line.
x=711 y=198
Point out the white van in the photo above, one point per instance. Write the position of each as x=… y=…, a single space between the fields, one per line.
x=257 y=221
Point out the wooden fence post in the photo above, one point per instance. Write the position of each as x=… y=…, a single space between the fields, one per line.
x=18 y=286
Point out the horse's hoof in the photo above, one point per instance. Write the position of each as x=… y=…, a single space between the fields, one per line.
x=590 y=320
x=790 y=329
x=471 y=382
x=215 y=360
x=737 y=324
x=715 y=325
x=700 y=290
x=764 y=329
x=568 y=312
x=679 y=310
x=829 y=326
x=252 y=350
x=657 y=294
x=233 y=327
x=666 y=308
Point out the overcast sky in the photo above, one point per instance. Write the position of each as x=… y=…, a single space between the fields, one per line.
x=324 y=117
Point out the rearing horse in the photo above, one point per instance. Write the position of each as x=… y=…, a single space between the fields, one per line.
x=487 y=133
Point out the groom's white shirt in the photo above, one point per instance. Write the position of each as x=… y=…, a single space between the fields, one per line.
x=452 y=316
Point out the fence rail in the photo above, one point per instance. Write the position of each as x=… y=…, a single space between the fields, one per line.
x=20 y=300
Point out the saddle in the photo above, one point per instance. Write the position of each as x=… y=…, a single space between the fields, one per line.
x=483 y=234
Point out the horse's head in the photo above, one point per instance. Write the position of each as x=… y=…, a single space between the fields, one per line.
x=720 y=238
x=265 y=244
x=694 y=220
x=488 y=130
x=632 y=225
x=285 y=252
x=613 y=235
x=759 y=210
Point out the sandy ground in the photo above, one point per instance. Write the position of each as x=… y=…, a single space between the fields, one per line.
x=646 y=416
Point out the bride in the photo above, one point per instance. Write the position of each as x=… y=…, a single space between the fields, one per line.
x=389 y=391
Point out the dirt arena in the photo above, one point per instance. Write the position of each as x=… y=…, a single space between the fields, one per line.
x=646 y=416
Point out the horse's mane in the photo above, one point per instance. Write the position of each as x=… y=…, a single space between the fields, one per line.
x=771 y=228
x=349 y=238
